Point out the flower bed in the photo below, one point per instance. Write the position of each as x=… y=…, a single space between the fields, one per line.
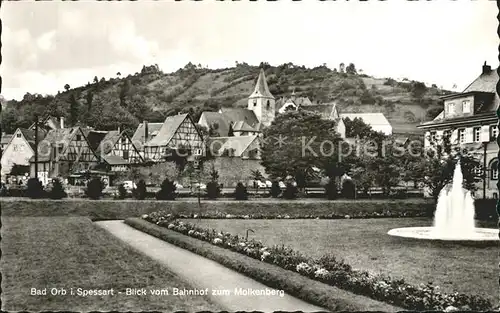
x=329 y=270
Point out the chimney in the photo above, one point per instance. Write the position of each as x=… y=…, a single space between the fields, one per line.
x=119 y=130
x=62 y=122
x=486 y=68
x=146 y=133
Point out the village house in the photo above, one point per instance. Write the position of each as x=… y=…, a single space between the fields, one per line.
x=178 y=134
x=469 y=118
x=20 y=149
x=49 y=123
x=62 y=152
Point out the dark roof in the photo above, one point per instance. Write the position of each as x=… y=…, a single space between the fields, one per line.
x=167 y=131
x=261 y=88
x=242 y=126
x=6 y=138
x=138 y=137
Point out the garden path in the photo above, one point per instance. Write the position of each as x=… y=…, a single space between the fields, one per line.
x=204 y=273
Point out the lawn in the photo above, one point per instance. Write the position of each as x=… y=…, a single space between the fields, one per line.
x=71 y=252
x=363 y=243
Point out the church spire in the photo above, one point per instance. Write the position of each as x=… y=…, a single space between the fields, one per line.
x=261 y=88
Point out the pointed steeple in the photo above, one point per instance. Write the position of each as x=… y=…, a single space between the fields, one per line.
x=261 y=88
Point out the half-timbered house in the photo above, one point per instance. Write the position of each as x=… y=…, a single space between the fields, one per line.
x=178 y=134
x=62 y=152
x=145 y=132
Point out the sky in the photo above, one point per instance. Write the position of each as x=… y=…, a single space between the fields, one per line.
x=46 y=45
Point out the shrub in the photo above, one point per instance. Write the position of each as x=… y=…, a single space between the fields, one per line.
x=122 y=192
x=331 y=191
x=275 y=189
x=348 y=189
x=57 y=191
x=94 y=188
x=213 y=190
x=240 y=193
x=290 y=192
x=140 y=192
x=35 y=189
x=167 y=190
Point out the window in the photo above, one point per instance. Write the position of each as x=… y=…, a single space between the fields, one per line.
x=451 y=108
x=466 y=106
x=78 y=137
x=268 y=104
x=255 y=103
x=493 y=132
x=125 y=154
x=433 y=136
x=477 y=134
x=494 y=170
x=18 y=135
x=461 y=135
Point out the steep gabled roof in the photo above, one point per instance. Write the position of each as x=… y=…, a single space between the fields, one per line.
x=95 y=137
x=167 y=130
x=108 y=142
x=138 y=138
x=327 y=110
x=486 y=82
x=261 y=88
x=239 y=144
x=46 y=122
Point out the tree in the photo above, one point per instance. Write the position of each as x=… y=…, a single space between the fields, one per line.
x=57 y=191
x=66 y=87
x=351 y=69
x=213 y=188
x=298 y=141
x=140 y=192
x=240 y=193
x=94 y=188
x=96 y=80
x=418 y=89
x=118 y=74
x=290 y=191
x=167 y=190
x=348 y=189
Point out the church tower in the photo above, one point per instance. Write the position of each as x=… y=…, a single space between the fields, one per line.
x=262 y=102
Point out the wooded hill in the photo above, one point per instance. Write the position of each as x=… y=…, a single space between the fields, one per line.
x=151 y=95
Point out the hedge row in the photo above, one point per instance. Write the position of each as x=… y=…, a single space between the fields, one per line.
x=122 y=209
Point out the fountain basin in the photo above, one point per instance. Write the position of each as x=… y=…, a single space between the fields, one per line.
x=479 y=235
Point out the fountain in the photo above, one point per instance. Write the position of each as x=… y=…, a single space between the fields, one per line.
x=454 y=217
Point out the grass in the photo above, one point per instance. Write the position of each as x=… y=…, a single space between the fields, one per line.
x=363 y=243
x=122 y=209
x=271 y=275
x=71 y=252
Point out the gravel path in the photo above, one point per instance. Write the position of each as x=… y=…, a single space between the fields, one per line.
x=204 y=274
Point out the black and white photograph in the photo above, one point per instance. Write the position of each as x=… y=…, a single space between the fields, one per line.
x=224 y=156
